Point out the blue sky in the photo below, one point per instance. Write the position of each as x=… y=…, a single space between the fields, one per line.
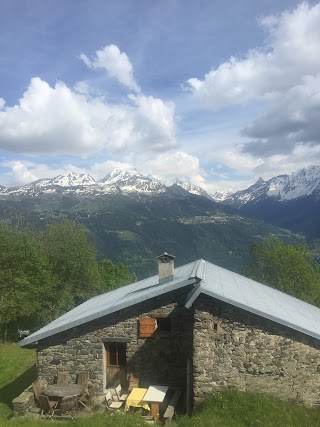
x=218 y=93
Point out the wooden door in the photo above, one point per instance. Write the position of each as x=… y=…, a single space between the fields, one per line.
x=116 y=369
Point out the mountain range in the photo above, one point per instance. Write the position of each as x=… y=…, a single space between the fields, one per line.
x=132 y=217
x=291 y=201
x=118 y=181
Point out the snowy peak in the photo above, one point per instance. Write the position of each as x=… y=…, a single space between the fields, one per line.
x=191 y=188
x=302 y=183
x=221 y=196
x=71 y=179
x=129 y=181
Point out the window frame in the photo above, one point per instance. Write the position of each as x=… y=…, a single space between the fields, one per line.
x=107 y=346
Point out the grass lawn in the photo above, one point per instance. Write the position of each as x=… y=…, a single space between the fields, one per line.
x=17 y=371
x=228 y=409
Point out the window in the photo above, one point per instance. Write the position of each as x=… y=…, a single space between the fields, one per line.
x=115 y=353
x=164 y=324
x=150 y=326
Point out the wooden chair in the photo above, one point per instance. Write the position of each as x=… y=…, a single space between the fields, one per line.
x=83 y=378
x=87 y=397
x=120 y=396
x=62 y=378
x=47 y=406
x=68 y=405
x=111 y=405
x=37 y=389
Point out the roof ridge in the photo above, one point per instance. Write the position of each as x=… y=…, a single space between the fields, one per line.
x=200 y=270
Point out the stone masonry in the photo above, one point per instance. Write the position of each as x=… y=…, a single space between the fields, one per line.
x=158 y=360
x=236 y=349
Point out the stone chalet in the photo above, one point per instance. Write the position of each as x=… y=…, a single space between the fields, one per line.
x=199 y=327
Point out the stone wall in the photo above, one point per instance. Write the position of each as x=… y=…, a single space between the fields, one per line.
x=160 y=359
x=233 y=348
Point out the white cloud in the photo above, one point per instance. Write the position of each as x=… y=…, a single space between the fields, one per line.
x=301 y=157
x=57 y=120
x=100 y=170
x=155 y=121
x=116 y=63
x=292 y=51
x=174 y=165
x=292 y=120
x=21 y=172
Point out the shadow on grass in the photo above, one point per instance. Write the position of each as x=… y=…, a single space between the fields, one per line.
x=13 y=389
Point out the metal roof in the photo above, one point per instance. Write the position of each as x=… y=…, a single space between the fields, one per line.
x=211 y=280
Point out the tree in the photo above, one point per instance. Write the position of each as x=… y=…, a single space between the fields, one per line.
x=26 y=282
x=291 y=269
x=114 y=275
x=72 y=258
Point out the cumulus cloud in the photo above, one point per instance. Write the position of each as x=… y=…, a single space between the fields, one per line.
x=292 y=120
x=301 y=157
x=20 y=172
x=291 y=52
x=116 y=64
x=175 y=165
x=155 y=121
x=100 y=170
x=58 y=120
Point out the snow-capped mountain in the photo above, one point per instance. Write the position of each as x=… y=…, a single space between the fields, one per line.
x=118 y=181
x=192 y=189
x=289 y=201
x=299 y=184
x=132 y=181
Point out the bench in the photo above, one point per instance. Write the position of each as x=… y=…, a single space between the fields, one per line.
x=169 y=412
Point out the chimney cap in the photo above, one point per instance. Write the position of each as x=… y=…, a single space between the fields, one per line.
x=165 y=254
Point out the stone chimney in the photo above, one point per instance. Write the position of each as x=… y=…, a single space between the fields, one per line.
x=166 y=267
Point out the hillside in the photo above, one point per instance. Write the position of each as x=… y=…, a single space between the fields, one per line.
x=135 y=228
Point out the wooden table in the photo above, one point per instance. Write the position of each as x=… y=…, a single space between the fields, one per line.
x=63 y=390
x=136 y=399
x=155 y=395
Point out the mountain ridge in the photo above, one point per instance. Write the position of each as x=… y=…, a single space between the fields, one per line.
x=118 y=181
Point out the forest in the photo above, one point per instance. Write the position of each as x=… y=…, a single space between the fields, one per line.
x=45 y=274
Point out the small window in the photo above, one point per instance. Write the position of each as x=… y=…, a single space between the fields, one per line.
x=164 y=324
x=115 y=353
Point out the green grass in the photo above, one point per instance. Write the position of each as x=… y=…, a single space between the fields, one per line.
x=233 y=408
x=17 y=371
x=228 y=409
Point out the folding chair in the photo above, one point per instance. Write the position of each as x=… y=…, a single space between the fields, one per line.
x=68 y=405
x=47 y=406
x=87 y=397
x=121 y=397
x=37 y=389
x=111 y=405
x=62 y=378
x=83 y=378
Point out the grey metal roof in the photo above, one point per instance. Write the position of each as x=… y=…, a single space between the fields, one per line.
x=113 y=301
x=211 y=280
